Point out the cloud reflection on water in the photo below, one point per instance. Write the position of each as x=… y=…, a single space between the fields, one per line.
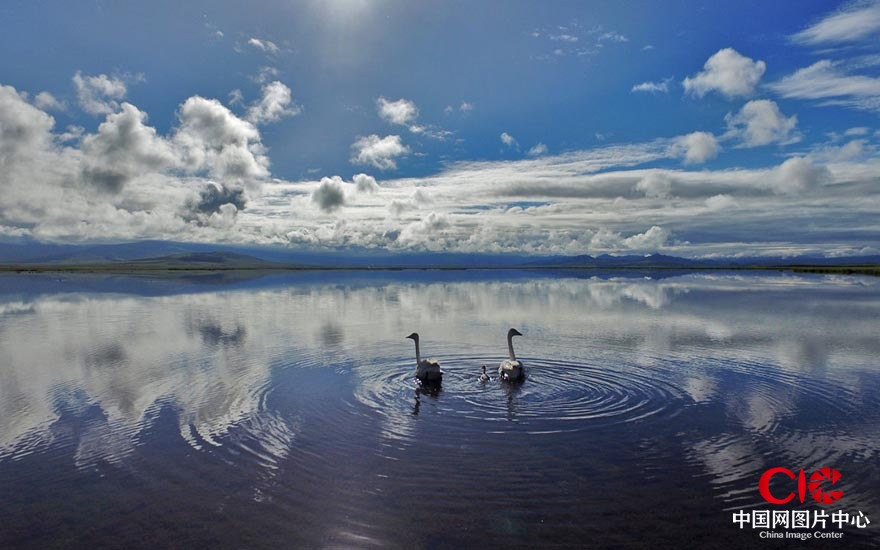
x=117 y=361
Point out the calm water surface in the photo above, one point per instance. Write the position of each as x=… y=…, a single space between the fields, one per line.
x=281 y=411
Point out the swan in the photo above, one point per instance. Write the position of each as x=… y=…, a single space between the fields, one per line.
x=511 y=370
x=428 y=370
x=484 y=377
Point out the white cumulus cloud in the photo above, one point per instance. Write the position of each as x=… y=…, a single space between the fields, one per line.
x=655 y=185
x=696 y=147
x=652 y=239
x=123 y=148
x=797 y=175
x=365 y=184
x=276 y=103
x=727 y=72
x=760 y=122
x=402 y=111
x=211 y=137
x=330 y=194
x=422 y=232
x=24 y=129
x=99 y=95
x=126 y=180
x=379 y=152
x=48 y=102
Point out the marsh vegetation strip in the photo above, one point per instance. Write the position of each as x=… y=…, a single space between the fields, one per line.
x=281 y=410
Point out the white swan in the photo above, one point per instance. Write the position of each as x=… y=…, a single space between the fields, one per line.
x=428 y=370
x=511 y=370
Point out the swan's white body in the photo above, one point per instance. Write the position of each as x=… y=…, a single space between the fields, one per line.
x=427 y=370
x=511 y=370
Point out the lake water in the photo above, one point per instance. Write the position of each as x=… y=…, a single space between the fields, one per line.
x=281 y=411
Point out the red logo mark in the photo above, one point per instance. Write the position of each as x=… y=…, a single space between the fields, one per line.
x=814 y=486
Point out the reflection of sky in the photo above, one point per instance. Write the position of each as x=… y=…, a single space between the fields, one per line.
x=758 y=346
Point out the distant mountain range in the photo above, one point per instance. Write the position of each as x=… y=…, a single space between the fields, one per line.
x=164 y=254
x=660 y=260
x=50 y=254
x=206 y=260
x=607 y=260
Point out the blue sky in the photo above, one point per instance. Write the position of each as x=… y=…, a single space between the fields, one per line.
x=690 y=128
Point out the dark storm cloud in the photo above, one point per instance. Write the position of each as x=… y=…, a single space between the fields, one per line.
x=213 y=196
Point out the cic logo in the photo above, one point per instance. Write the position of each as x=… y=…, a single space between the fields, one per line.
x=814 y=486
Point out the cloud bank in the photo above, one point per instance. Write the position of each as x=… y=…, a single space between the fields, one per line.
x=208 y=178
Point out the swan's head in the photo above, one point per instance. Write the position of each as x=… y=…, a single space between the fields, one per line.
x=513 y=332
x=414 y=336
x=484 y=369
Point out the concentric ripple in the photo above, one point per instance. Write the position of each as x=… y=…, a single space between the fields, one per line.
x=555 y=396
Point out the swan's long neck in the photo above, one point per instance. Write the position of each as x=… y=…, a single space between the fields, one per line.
x=418 y=355
x=510 y=347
